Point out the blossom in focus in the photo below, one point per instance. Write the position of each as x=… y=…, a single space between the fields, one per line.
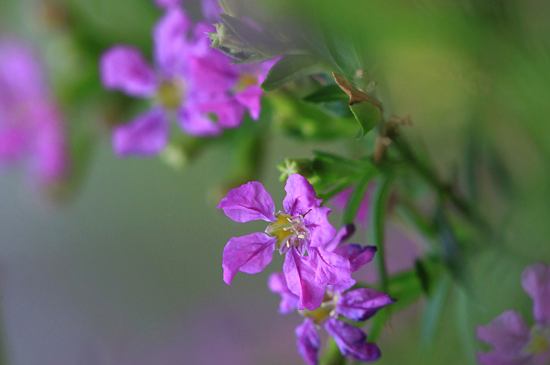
x=191 y=81
x=31 y=126
x=300 y=231
x=356 y=305
x=514 y=343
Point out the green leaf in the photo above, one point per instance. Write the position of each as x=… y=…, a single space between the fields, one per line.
x=341 y=50
x=378 y=216
x=333 y=355
x=433 y=311
x=288 y=69
x=262 y=42
x=354 y=201
x=367 y=114
x=466 y=329
x=327 y=94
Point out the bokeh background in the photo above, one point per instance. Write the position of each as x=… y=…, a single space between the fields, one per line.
x=126 y=269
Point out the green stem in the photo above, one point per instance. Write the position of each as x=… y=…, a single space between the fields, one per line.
x=444 y=189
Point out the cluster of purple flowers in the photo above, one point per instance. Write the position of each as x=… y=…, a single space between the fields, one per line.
x=317 y=270
x=31 y=126
x=514 y=343
x=356 y=305
x=192 y=82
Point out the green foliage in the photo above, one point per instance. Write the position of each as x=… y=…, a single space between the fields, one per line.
x=290 y=68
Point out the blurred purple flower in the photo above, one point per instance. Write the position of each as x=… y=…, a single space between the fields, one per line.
x=167 y=3
x=211 y=10
x=301 y=228
x=196 y=84
x=31 y=126
x=513 y=342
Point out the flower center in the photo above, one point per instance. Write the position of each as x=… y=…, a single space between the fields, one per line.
x=289 y=230
x=540 y=341
x=245 y=81
x=170 y=94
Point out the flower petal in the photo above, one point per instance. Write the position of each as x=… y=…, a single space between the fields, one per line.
x=124 y=68
x=249 y=254
x=343 y=235
x=300 y=278
x=508 y=333
x=277 y=285
x=356 y=254
x=361 y=304
x=211 y=10
x=251 y=98
x=535 y=279
x=166 y=3
x=494 y=358
x=13 y=143
x=209 y=69
x=340 y=288
x=308 y=341
x=351 y=341
x=249 y=202
x=198 y=124
x=330 y=268
x=300 y=196
x=145 y=136
x=320 y=229
x=170 y=37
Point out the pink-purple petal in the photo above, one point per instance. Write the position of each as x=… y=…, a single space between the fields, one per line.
x=146 y=135
x=357 y=255
x=330 y=268
x=211 y=10
x=361 y=304
x=167 y=3
x=508 y=333
x=249 y=202
x=535 y=279
x=342 y=235
x=308 y=341
x=124 y=68
x=351 y=341
x=251 y=99
x=196 y=123
x=170 y=37
x=493 y=358
x=300 y=196
x=320 y=229
x=249 y=254
x=300 y=278
x=277 y=284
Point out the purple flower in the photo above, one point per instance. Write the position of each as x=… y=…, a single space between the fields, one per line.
x=351 y=341
x=361 y=304
x=301 y=228
x=277 y=284
x=308 y=341
x=211 y=10
x=191 y=82
x=357 y=305
x=167 y=3
x=31 y=126
x=514 y=343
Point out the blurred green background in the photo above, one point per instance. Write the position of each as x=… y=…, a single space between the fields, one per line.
x=128 y=269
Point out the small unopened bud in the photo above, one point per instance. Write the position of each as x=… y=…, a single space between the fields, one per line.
x=300 y=166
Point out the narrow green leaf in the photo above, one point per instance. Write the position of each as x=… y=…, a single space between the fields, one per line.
x=354 y=201
x=262 y=42
x=433 y=311
x=332 y=355
x=367 y=114
x=466 y=329
x=378 y=216
x=341 y=50
x=327 y=94
x=288 y=69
